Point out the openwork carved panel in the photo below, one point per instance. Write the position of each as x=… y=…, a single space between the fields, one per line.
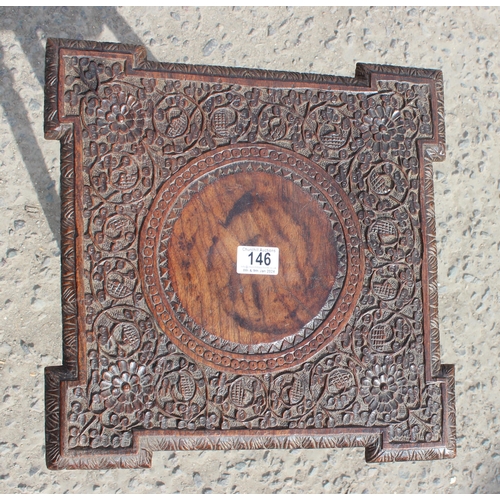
x=166 y=170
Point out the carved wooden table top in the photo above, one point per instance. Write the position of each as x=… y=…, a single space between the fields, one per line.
x=248 y=259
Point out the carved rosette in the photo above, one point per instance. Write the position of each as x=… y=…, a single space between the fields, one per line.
x=362 y=370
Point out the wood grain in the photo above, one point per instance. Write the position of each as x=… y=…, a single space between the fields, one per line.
x=252 y=209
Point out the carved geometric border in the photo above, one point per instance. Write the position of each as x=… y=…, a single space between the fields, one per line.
x=311 y=337
x=57 y=378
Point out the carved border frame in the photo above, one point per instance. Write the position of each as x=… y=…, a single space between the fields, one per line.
x=375 y=442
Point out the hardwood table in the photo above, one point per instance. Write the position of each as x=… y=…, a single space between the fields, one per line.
x=248 y=260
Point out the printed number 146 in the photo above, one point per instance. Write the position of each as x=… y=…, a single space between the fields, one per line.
x=259 y=260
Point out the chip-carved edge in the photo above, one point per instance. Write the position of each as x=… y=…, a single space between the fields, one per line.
x=145 y=445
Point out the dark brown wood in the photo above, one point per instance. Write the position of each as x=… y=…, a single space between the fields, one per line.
x=166 y=170
x=259 y=209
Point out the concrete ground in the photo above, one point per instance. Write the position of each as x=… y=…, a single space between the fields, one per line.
x=463 y=42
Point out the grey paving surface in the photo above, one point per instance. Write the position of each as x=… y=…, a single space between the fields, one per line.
x=463 y=42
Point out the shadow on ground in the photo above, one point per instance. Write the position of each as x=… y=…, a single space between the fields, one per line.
x=35 y=25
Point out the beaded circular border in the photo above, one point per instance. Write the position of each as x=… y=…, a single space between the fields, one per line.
x=280 y=355
x=174 y=212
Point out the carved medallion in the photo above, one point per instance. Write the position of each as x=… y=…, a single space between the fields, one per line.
x=326 y=337
x=251 y=196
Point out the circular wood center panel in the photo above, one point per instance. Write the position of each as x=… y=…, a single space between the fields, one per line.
x=252 y=209
x=258 y=196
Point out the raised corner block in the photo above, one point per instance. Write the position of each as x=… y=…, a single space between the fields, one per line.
x=168 y=169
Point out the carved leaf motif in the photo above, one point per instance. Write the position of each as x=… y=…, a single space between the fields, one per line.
x=187 y=386
x=333 y=138
x=385 y=231
x=277 y=128
x=386 y=290
x=435 y=153
x=340 y=380
x=222 y=120
x=381 y=183
x=131 y=335
x=296 y=391
x=237 y=393
x=117 y=287
x=178 y=122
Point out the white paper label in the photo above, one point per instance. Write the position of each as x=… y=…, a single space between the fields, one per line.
x=257 y=260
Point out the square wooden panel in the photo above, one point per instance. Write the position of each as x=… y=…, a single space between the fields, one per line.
x=166 y=170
